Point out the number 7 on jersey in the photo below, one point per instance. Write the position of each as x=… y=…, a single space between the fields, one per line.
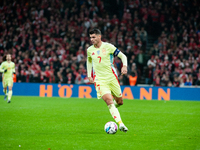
x=99 y=58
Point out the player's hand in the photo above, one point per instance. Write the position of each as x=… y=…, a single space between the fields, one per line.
x=124 y=70
x=91 y=80
x=5 y=70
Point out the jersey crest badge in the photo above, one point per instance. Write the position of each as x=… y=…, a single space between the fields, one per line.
x=104 y=51
x=98 y=52
x=93 y=53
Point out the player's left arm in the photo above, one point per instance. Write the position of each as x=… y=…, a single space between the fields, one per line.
x=123 y=57
x=13 y=68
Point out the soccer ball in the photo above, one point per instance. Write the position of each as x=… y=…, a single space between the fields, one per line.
x=111 y=127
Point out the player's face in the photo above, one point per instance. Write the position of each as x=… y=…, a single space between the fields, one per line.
x=8 y=57
x=95 y=38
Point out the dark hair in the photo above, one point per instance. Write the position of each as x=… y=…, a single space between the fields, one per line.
x=4 y=57
x=95 y=31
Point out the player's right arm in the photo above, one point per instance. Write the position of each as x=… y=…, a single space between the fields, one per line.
x=2 y=67
x=89 y=67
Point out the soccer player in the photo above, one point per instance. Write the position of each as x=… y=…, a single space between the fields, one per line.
x=100 y=56
x=8 y=68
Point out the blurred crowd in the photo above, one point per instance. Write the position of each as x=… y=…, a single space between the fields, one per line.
x=48 y=39
x=175 y=55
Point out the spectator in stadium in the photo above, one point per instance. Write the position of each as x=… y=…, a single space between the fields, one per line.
x=21 y=77
x=149 y=75
x=169 y=84
x=60 y=78
x=164 y=80
x=176 y=82
x=140 y=59
x=34 y=78
x=152 y=61
x=183 y=76
x=133 y=75
x=198 y=82
x=157 y=81
x=70 y=79
x=188 y=82
x=181 y=84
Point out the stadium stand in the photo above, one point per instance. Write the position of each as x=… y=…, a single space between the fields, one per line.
x=48 y=39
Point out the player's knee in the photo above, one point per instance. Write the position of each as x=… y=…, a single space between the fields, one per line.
x=109 y=102
x=120 y=103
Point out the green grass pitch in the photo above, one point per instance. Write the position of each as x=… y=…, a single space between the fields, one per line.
x=41 y=123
